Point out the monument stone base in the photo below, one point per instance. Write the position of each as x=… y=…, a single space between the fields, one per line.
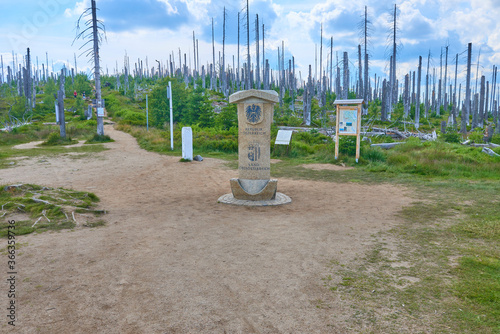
x=279 y=199
x=254 y=190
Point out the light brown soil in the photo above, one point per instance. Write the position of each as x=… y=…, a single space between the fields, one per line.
x=173 y=260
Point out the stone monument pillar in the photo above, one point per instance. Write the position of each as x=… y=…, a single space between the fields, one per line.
x=255 y=115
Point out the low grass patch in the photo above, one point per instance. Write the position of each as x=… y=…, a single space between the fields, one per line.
x=99 y=139
x=36 y=209
x=54 y=139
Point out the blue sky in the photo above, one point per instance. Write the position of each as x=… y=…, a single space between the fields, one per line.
x=156 y=28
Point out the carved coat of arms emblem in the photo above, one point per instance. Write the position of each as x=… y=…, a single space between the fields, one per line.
x=254 y=114
x=254 y=152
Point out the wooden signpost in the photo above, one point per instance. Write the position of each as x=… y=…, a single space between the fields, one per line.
x=348 y=122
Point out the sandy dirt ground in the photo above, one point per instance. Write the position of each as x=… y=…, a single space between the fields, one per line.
x=172 y=260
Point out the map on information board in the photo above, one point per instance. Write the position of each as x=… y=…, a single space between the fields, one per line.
x=348 y=121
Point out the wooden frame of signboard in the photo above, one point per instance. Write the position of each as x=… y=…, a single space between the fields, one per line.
x=348 y=122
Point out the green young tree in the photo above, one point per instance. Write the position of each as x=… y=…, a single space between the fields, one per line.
x=159 y=104
x=227 y=118
x=199 y=109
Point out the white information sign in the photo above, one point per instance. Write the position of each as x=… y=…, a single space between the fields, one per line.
x=283 y=137
x=100 y=112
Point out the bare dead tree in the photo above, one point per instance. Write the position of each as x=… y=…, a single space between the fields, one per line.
x=466 y=110
x=212 y=79
x=257 y=54
x=417 y=107
x=238 y=68
x=320 y=66
x=345 y=87
x=445 y=77
x=427 y=86
x=223 y=69
x=249 y=65
x=360 y=74
x=365 y=28
x=392 y=79
x=331 y=64
x=93 y=31
x=480 y=115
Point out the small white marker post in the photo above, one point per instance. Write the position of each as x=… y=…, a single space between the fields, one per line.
x=57 y=112
x=169 y=93
x=187 y=143
x=348 y=122
x=147 y=114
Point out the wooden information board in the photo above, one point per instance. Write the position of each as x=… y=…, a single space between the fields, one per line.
x=348 y=122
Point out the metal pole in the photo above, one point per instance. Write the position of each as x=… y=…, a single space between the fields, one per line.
x=147 y=114
x=171 y=116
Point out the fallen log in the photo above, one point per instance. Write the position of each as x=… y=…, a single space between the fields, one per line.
x=485 y=145
x=490 y=152
x=37 y=200
x=386 y=146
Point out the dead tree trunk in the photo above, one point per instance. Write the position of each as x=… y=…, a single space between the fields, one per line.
x=486 y=111
x=320 y=67
x=345 y=88
x=310 y=92
x=417 y=107
x=455 y=102
x=383 y=106
x=223 y=68
x=360 y=74
x=393 y=84
x=257 y=54
x=466 y=110
x=212 y=79
x=445 y=77
x=249 y=64
x=97 y=69
x=366 y=81
x=427 y=87
x=331 y=64
x=280 y=80
x=480 y=113
x=238 y=84
x=406 y=96
x=493 y=88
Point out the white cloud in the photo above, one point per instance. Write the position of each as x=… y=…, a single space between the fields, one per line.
x=79 y=8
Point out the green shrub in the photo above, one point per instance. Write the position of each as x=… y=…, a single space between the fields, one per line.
x=132 y=118
x=477 y=136
x=55 y=139
x=311 y=138
x=373 y=154
x=496 y=139
x=347 y=145
x=451 y=136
